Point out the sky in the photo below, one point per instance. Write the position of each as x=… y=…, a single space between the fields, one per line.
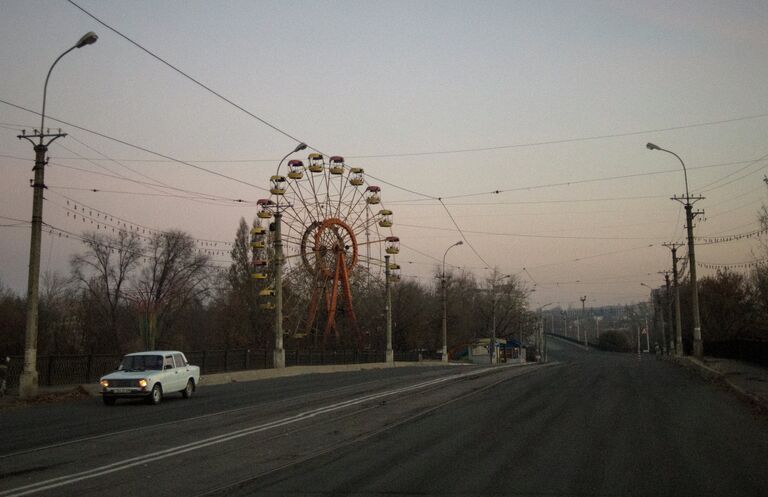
x=517 y=127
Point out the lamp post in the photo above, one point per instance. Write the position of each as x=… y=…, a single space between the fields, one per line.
x=543 y=340
x=278 y=353
x=445 y=304
x=698 y=350
x=390 y=357
x=28 y=380
x=494 y=359
x=663 y=333
x=583 y=300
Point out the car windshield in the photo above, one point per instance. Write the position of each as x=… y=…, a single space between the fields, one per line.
x=141 y=363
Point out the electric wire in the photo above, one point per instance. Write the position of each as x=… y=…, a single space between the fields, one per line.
x=138 y=147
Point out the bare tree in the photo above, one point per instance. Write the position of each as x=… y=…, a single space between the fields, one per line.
x=174 y=276
x=103 y=271
x=58 y=321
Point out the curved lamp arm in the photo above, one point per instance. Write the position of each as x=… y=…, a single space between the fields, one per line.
x=88 y=38
x=651 y=146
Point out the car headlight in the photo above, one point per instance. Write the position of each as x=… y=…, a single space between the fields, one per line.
x=104 y=383
x=143 y=383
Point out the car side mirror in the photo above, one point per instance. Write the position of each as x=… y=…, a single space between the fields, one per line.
x=168 y=366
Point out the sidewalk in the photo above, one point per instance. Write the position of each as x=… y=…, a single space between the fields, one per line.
x=59 y=393
x=748 y=381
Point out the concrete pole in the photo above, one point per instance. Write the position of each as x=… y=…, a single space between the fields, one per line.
x=278 y=354
x=388 y=307
x=583 y=300
x=28 y=380
x=678 y=321
x=493 y=324
x=444 y=356
x=597 y=328
x=671 y=347
x=698 y=349
x=663 y=324
x=445 y=305
x=647 y=336
x=565 y=323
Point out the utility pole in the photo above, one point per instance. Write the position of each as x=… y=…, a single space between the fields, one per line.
x=688 y=201
x=647 y=336
x=678 y=324
x=671 y=347
x=278 y=353
x=698 y=348
x=583 y=300
x=390 y=353
x=445 y=304
x=664 y=309
x=493 y=324
x=565 y=322
x=28 y=380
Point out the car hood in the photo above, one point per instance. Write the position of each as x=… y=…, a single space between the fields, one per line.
x=128 y=375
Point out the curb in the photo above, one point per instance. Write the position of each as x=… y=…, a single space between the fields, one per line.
x=93 y=389
x=713 y=374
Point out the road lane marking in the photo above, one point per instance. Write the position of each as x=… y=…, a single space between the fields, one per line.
x=226 y=437
x=366 y=436
x=183 y=420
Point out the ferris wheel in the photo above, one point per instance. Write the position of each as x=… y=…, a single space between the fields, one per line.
x=334 y=229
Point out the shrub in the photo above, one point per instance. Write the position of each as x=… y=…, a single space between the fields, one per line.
x=614 y=341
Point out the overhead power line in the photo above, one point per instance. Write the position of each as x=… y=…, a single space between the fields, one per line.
x=528 y=235
x=137 y=147
x=202 y=85
x=559 y=141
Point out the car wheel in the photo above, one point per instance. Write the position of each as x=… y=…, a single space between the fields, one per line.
x=157 y=394
x=187 y=392
x=108 y=401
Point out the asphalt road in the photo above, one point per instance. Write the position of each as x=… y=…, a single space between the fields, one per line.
x=589 y=423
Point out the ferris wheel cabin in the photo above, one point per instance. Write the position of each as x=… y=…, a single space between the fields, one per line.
x=316 y=163
x=278 y=185
x=356 y=176
x=295 y=169
x=264 y=208
x=386 y=218
x=337 y=164
x=392 y=245
x=394 y=272
x=372 y=195
x=257 y=237
x=259 y=269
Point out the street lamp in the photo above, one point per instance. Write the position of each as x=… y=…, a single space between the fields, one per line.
x=578 y=322
x=445 y=304
x=698 y=350
x=655 y=315
x=278 y=354
x=543 y=339
x=493 y=314
x=28 y=380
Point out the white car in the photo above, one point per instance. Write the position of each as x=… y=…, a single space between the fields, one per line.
x=150 y=375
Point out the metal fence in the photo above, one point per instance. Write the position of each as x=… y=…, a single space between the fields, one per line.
x=75 y=369
x=753 y=351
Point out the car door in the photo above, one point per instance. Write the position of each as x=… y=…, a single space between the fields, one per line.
x=182 y=368
x=170 y=379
